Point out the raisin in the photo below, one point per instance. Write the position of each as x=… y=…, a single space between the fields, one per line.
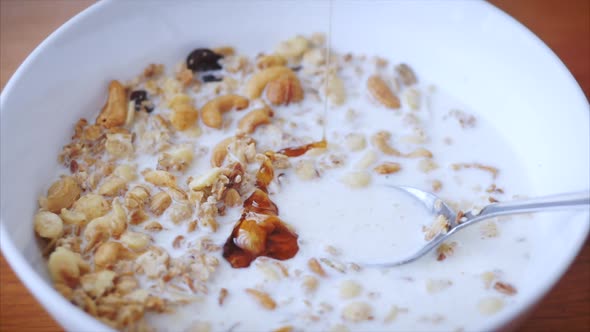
x=203 y=59
x=211 y=78
x=140 y=98
x=296 y=68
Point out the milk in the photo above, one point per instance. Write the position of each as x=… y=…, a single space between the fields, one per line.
x=372 y=224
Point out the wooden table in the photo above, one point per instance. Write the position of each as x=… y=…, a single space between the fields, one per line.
x=563 y=24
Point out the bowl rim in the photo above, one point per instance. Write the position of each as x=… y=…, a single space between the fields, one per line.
x=60 y=309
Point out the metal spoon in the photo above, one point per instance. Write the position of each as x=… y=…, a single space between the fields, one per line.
x=436 y=206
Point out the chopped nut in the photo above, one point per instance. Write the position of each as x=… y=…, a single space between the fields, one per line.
x=315 y=267
x=357 y=312
x=504 y=288
x=222 y=295
x=382 y=93
x=440 y=225
x=205 y=180
x=406 y=74
x=262 y=298
x=180 y=212
x=388 y=168
x=445 y=250
x=114 y=112
x=350 y=289
x=178 y=241
x=177 y=159
x=154 y=262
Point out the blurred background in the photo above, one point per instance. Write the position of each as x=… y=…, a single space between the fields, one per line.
x=564 y=25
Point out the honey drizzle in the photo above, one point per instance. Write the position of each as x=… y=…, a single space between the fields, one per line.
x=300 y=150
x=270 y=237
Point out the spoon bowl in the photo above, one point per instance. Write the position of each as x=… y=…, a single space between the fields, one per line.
x=460 y=220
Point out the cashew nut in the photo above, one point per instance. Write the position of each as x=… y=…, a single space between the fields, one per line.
x=258 y=82
x=220 y=151
x=284 y=90
x=213 y=110
x=114 y=112
x=255 y=118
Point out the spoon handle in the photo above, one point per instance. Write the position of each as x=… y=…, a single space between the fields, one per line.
x=546 y=203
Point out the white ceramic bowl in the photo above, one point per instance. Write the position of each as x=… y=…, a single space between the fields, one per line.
x=473 y=50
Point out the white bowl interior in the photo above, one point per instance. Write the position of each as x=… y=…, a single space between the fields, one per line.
x=475 y=52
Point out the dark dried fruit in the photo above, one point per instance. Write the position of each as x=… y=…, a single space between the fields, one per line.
x=138 y=96
x=141 y=100
x=203 y=59
x=211 y=78
x=296 y=68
